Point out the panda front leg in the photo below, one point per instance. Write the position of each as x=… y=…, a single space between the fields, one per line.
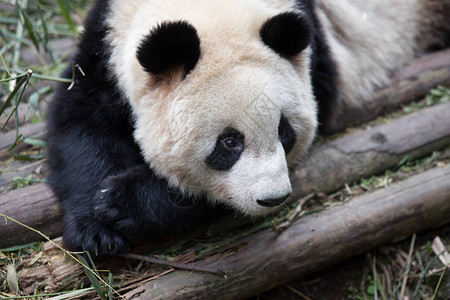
x=130 y=206
x=110 y=196
x=137 y=199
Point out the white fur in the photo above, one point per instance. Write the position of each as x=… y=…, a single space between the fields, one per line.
x=370 y=39
x=269 y=181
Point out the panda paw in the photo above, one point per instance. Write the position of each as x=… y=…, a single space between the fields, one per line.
x=113 y=206
x=95 y=238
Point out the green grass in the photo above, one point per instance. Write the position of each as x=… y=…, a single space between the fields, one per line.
x=437 y=95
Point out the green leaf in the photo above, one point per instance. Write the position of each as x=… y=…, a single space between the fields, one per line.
x=92 y=278
x=64 y=7
x=20 y=82
x=23 y=81
x=94 y=268
x=437 y=92
x=36 y=246
x=34 y=99
x=44 y=24
x=31 y=157
x=110 y=284
x=29 y=26
x=35 y=142
x=403 y=161
x=45 y=90
x=371 y=290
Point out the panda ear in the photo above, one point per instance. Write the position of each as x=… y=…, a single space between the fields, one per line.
x=287 y=33
x=169 y=46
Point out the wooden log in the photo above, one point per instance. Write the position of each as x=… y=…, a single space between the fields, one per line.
x=34 y=206
x=266 y=259
x=429 y=62
x=347 y=159
x=328 y=168
x=49 y=270
x=412 y=82
x=8 y=139
x=39 y=169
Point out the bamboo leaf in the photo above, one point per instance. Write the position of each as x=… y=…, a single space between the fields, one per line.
x=94 y=268
x=35 y=246
x=31 y=157
x=29 y=26
x=35 y=142
x=110 y=284
x=44 y=24
x=65 y=12
x=4 y=64
x=92 y=278
x=21 y=81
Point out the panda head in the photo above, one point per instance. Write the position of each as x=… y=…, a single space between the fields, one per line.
x=222 y=107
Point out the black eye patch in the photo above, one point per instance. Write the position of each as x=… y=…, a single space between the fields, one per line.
x=229 y=147
x=287 y=33
x=286 y=134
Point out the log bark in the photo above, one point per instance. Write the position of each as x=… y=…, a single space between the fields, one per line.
x=328 y=168
x=39 y=169
x=49 y=270
x=347 y=159
x=34 y=206
x=8 y=139
x=266 y=259
x=412 y=82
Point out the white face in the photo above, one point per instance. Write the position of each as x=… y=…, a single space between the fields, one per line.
x=232 y=100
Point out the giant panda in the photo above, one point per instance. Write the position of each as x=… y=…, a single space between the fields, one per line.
x=185 y=110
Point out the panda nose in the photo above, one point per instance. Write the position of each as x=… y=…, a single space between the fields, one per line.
x=271 y=202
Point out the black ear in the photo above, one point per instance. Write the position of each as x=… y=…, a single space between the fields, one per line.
x=287 y=33
x=169 y=46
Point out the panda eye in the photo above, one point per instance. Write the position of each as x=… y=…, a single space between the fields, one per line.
x=286 y=134
x=229 y=147
x=232 y=144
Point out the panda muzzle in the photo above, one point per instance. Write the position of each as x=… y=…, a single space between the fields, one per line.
x=272 y=202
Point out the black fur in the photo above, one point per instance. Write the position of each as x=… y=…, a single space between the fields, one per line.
x=323 y=69
x=286 y=134
x=287 y=33
x=169 y=46
x=229 y=146
x=109 y=196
